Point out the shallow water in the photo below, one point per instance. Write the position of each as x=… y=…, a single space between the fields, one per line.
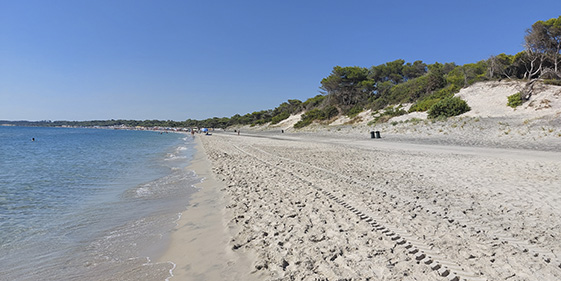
x=89 y=204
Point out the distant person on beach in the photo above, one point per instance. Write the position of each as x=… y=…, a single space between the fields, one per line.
x=32 y=139
x=238 y=132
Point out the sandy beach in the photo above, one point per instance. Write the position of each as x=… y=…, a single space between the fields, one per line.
x=469 y=198
x=310 y=207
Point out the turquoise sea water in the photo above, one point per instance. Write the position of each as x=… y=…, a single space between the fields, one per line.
x=89 y=204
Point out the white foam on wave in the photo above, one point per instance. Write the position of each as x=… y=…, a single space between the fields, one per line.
x=171 y=270
x=143 y=191
x=177 y=220
x=177 y=153
x=175 y=157
x=173 y=266
x=201 y=180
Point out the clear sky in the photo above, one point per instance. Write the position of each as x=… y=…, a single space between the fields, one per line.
x=174 y=60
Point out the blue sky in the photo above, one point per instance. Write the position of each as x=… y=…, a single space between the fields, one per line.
x=174 y=60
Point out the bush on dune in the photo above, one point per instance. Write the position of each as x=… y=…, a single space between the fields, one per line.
x=514 y=100
x=448 y=107
x=316 y=114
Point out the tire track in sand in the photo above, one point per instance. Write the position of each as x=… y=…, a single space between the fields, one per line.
x=494 y=236
x=421 y=253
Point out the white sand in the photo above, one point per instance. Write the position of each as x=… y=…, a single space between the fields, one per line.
x=476 y=197
x=323 y=207
x=489 y=99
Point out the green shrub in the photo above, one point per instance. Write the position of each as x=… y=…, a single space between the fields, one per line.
x=514 y=100
x=448 y=107
x=312 y=114
x=408 y=91
x=353 y=112
x=258 y=122
x=302 y=123
x=313 y=102
x=317 y=114
x=377 y=103
x=277 y=118
x=425 y=103
x=330 y=112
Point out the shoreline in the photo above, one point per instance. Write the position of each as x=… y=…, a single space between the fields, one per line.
x=199 y=244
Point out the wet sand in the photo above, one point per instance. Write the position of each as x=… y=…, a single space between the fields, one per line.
x=199 y=244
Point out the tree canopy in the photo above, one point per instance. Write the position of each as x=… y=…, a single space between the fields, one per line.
x=347 y=86
x=543 y=44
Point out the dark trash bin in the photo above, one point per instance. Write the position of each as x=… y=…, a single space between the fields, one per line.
x=372 y=135
x=377 y=134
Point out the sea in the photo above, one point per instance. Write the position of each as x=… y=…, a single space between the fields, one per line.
x=90 y=204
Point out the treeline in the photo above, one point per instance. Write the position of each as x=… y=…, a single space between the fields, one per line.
x=274 y=116
x=98 y=123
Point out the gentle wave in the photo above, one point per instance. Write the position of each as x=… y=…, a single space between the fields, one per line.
x=85 y=204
